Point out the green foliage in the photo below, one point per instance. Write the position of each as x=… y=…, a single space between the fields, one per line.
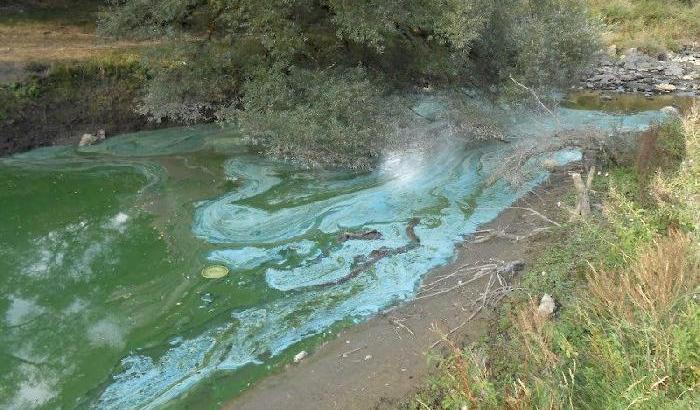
x=323 y=118
x=554 y=42
x=212 y=53
x=80 y=13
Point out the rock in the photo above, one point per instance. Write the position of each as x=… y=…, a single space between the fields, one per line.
x=673 y=70
x=547 y=306
x=612 y=51
x=300 y=356
x=635 y=71
x=89 y=139
x=671 y=111
x=630 y=52
x=666 y=87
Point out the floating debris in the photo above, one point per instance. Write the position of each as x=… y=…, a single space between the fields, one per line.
x=215 y=271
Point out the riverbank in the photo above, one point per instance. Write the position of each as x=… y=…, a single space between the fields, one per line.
x=378 y=363
x=619 y=327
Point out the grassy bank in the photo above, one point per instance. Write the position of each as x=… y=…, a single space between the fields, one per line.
x=652 y=25
x=625 y=333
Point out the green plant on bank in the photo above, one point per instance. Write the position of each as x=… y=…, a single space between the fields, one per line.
x=626 y=332
x=652 y=25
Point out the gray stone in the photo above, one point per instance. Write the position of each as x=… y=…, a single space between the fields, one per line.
x=665 y=87
x=671 y=111
x=674 y=70
x=547 y=306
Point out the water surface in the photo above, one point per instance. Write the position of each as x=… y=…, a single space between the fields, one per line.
x=101 y=248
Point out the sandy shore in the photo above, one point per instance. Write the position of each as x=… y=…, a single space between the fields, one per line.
x=382 y=362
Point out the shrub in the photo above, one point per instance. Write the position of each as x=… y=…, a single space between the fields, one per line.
x=215 y=59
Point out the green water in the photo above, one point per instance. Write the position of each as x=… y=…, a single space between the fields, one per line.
x=97 y=260
x=102 y=303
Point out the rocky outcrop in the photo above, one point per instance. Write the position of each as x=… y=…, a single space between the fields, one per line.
x=634 y=71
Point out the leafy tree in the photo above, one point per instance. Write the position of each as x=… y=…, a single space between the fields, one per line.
x=304 y=76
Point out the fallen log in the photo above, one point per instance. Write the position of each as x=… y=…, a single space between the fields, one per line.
x=364 y=263
x=370 y=235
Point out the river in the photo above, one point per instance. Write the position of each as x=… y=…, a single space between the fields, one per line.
x=103 y=304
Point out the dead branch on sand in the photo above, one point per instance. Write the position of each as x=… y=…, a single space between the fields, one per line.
x=398 y=324
x=495 y=290
x=486 y=235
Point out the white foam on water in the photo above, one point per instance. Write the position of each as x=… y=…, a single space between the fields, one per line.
x=74 y=248
x=106 y=332
x=33 y=394
x=36 y=388
x=118 y=222
x=22 y=310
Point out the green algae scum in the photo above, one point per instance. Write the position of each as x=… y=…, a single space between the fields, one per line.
x=173 y=267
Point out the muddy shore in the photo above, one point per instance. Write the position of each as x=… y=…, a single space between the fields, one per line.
x=382 y=362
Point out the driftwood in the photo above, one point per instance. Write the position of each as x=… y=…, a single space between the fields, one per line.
x=364 y=263
x=398 y=324
x=583 y=202
x=486 y=235
x=496 y=289
x=370 y=235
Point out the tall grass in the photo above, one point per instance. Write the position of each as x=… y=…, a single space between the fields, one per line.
x=627 y=331
x=652 y=25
